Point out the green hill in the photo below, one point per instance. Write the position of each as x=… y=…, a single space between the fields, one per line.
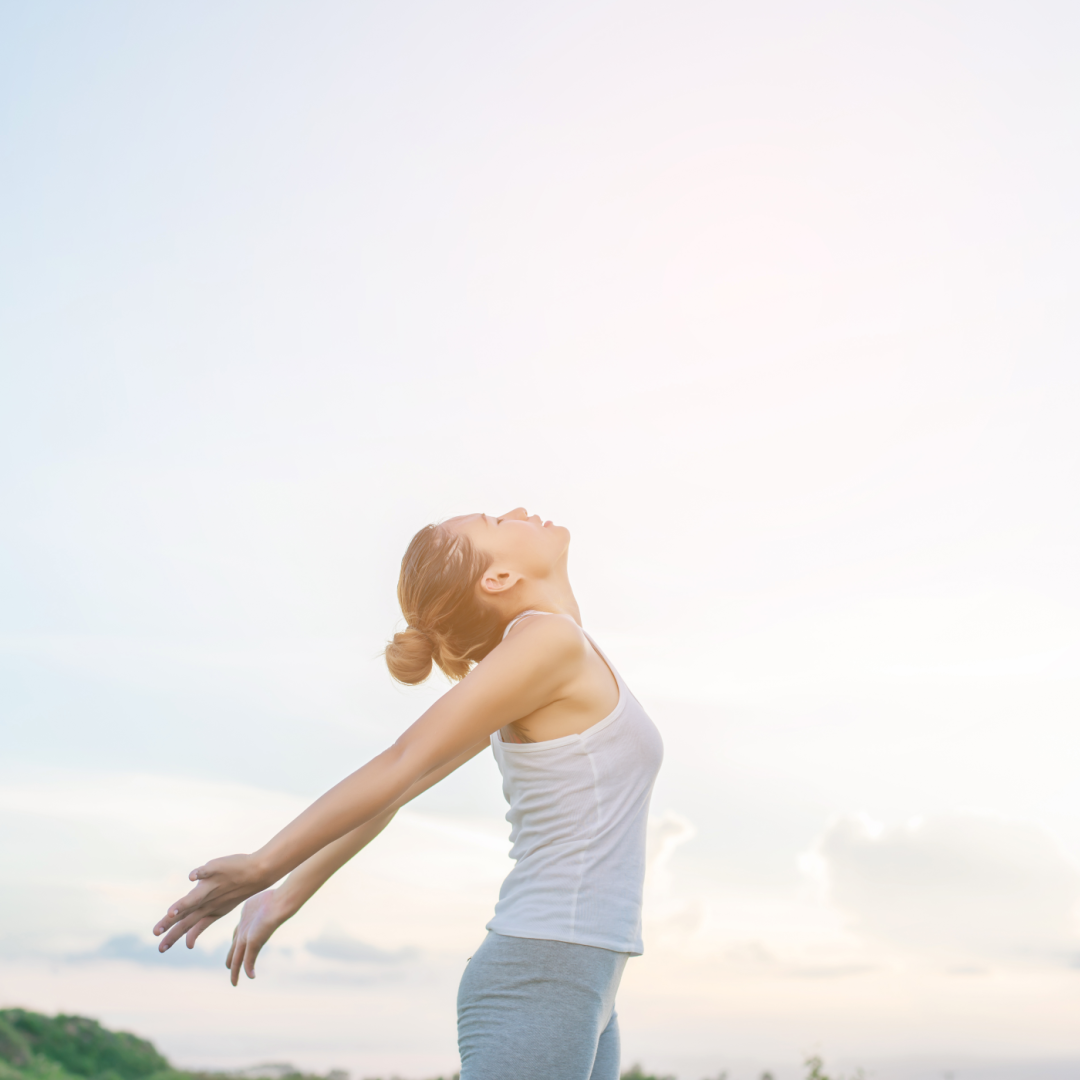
x=59 y=1046
x=37 y=1047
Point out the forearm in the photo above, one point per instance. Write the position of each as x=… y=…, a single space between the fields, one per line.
x=354 y=802
x=313 y=873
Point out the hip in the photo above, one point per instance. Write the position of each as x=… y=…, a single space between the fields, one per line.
x=508 y=973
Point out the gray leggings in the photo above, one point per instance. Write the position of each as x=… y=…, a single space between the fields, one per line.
x=537 y=1010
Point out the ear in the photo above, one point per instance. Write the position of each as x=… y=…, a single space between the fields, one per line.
x=497 y=579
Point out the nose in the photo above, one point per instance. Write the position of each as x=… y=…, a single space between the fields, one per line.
x=519 y=513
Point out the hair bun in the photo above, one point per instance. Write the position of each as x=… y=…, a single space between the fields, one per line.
x=409 y=656
x=437 y=590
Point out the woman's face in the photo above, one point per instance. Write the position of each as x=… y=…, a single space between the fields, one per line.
x=525 y=543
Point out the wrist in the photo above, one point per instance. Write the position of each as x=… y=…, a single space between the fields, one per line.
x=287 y=901
x=263 y=869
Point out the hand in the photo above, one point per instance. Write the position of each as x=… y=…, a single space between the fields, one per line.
x=222 y=884
x=260 y=917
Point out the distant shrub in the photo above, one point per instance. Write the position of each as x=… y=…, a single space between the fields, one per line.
x=816 y=1065
x=635 y=1073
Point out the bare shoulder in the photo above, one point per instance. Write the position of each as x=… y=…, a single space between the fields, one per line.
x=528 y=670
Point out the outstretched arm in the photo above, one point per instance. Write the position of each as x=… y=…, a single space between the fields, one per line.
x=266 y=911
x=527 y=671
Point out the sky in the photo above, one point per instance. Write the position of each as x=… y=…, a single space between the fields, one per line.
x=773 y=305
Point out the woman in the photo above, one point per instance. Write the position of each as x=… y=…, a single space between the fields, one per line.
x=489 y=598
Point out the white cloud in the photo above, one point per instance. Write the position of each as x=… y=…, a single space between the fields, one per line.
x=335 y=944
x=667 y=911
x=958 y=886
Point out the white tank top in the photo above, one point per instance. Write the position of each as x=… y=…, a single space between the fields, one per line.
x=578 y=811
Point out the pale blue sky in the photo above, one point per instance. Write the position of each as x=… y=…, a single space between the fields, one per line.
x=775 y=307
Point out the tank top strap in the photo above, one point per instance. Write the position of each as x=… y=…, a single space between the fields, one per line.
x=524 y=615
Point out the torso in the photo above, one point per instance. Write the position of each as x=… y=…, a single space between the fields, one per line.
x=578 y=787
x=591 y=694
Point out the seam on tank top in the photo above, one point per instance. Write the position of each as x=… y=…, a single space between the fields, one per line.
x=591 y=841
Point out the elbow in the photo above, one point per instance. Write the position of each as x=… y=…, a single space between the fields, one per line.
x=405 y=765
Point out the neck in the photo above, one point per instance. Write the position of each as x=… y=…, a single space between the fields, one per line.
x=549 y=594
x=558 y=601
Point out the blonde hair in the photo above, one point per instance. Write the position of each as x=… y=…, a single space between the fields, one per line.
x=449 y=624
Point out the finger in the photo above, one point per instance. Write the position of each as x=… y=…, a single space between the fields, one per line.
x=232 y=946
x=254 y=947
x=181 y=908
x=237 y=961
x=168 y=919
x=177 y=932
x=214 y=866
x=198 y=928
